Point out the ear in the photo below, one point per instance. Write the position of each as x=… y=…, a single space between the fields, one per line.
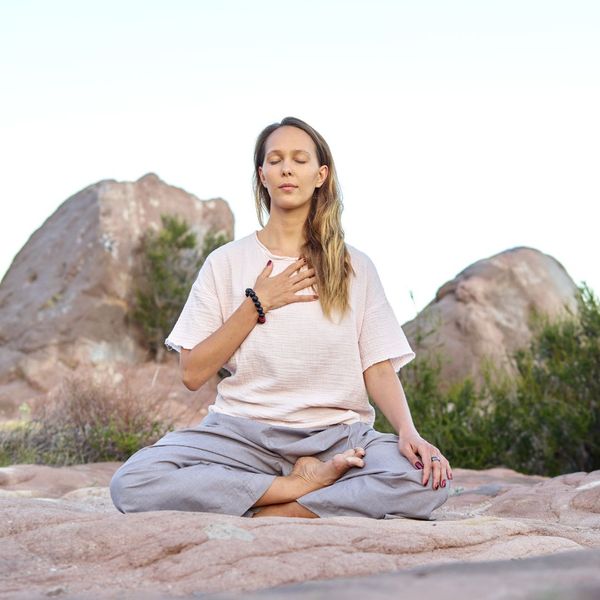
x=261 y=176
x=323 y=172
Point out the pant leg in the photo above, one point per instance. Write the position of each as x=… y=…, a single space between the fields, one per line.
x=387 y=486
x=208 y=468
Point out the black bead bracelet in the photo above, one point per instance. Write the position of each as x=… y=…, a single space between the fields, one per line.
x=261 y=314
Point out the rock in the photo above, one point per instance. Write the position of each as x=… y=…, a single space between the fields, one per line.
x=79 y=543
x=564 y=576
x=64 y=299
x=483 y=313
x=54 y=482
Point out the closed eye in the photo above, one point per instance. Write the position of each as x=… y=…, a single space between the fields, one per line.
x=274 y=162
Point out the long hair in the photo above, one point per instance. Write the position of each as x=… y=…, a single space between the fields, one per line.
x=324 y=249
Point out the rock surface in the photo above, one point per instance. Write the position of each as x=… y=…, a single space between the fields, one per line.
x=62 y=536
x=64 y=299
x=483 y=313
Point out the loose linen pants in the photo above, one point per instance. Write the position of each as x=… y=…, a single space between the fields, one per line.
x=225 y=464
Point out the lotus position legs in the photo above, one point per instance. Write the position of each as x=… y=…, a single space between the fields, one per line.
x=309 y=474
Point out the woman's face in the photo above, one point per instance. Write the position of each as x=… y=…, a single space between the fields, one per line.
x=291 y=170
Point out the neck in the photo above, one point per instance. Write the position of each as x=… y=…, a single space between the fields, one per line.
x=286 y=239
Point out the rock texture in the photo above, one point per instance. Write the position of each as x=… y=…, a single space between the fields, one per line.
x=64 y=299
x=570 y=575
x=483 y=313
x=61 y=539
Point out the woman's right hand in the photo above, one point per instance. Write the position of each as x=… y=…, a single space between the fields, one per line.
x=281 y=289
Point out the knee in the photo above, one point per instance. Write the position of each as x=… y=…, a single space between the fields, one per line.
x=125 y=492
x=430 y=500
x=118 y=490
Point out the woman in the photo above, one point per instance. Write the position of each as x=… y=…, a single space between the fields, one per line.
x=291 y=430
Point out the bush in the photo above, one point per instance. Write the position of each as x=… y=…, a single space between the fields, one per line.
x=553 y=407
x=169 y=264
x=88 y=419
x=545 y=421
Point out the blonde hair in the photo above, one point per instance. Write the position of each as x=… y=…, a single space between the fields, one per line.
x=325 y=249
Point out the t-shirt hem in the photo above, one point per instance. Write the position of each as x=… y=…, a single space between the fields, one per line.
x=172 y=345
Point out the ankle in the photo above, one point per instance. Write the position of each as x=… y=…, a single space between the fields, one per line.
x=302 y=485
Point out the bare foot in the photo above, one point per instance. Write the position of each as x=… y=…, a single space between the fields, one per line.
x=318 y=473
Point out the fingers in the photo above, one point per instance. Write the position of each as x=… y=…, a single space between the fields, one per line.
x=425 y=454
x=268 y=267
x=438 y=470
x=295 y=266
x=411 y=456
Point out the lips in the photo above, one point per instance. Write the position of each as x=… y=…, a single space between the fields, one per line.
x=286 y=186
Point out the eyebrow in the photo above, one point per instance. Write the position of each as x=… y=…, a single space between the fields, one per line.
x=296 y=150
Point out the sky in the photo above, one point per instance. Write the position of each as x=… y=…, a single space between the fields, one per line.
x=458 y=129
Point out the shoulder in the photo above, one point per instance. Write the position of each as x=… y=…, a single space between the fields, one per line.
x=361 y=261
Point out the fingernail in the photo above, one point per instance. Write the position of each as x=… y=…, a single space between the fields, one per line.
x=269 y=262
x=449 y=476
x=419 y=464
x=444 y=483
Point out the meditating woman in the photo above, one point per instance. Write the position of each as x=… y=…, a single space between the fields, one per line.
x=300 y=320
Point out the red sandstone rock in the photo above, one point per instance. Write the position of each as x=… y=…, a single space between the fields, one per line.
x=483 y=312
x=80 y=545
x=64 y=298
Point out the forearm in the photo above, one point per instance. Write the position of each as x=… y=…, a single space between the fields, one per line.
x=385 y=389
x=207 y=357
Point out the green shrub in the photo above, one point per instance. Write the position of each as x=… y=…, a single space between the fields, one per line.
x=170 y=261
x=544 y=421
x=89 y=419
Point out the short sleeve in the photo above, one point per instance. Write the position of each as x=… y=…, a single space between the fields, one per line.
x=201 y=315
x=381 y=336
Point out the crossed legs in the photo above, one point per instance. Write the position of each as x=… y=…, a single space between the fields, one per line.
x=308 y=474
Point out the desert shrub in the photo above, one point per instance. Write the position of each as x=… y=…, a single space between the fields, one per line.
x=170 y=260
x=88 y=419
x=546 y=420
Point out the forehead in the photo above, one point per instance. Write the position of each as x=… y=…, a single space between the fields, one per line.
x=288 y=138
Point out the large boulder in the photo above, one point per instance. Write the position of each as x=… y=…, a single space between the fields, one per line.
x=483 y=314
x=64 y=299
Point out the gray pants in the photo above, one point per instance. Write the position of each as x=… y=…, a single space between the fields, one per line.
x=225 y=464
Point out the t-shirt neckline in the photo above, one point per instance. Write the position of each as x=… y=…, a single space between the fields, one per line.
x=269 y=253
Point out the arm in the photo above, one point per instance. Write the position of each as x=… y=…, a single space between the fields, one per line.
x=384 y=387
x=205 y=359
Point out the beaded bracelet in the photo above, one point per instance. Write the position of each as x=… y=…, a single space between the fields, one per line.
x=261 y=315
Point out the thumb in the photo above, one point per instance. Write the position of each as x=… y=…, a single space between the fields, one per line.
x=410 y=455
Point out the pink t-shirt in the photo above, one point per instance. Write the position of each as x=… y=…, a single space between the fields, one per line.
x=298 y=369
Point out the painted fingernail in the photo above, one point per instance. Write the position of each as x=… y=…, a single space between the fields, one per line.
x=269 y=262
x=419 y=464
x=444 y=483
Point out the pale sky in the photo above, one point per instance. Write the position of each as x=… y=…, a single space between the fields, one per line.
x=459 y=129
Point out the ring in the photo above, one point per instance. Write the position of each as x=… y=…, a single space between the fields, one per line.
x=434 y=458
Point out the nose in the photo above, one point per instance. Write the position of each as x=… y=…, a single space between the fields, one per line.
x=285 y=167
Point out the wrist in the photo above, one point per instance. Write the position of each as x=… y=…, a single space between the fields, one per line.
x=407 y=429
x=256 y=304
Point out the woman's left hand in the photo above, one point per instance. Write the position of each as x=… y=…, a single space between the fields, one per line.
x=413 y=446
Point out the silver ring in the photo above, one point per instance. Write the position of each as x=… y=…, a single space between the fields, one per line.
x=434 y=458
